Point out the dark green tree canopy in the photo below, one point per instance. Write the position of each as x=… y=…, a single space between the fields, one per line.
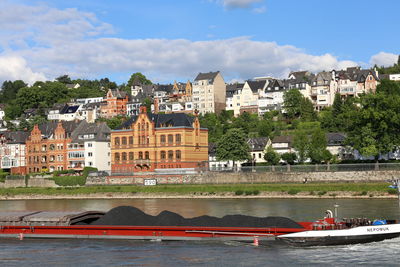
x=138 y=78
x=233 y=146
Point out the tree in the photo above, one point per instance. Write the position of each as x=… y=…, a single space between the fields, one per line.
x=307 y=111
x=337 y=106
x=147 y=102
x=10 y=89
x=233 y=146
x=271 y=156
x=138 y=78
x=289 y=157
x=376 y=124
x=301 y=144
x=65 y=79
x=317 y=147
x=292 y=103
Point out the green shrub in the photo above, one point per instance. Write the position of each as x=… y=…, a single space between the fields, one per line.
x=256 y=192
x=248 y=193
x=293 y=191
x=312 y=193
x=321 y=193
x=363 y=193
x=392 y=191
x=239 y=192
x=69 y=180
x=87 y=170
x=57 y=173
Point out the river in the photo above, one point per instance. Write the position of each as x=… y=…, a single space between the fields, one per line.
x=147 y=253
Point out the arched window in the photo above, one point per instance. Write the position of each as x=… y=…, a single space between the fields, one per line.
x=178 y=155
x=116 y=156
x=123 y=140
x=178 y=139
x=116 y=141
x=140 y=155
x=147 y=125
x=123 y=156
x=170 y=155
x=162 y=139
x=146 y=155
x=170 y=139
x=131 y=140
x=143 y=139
x=162 y=155
x=130 y=155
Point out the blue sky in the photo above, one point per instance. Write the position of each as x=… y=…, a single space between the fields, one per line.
x=175 y=39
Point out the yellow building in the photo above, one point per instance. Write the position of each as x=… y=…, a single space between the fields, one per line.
x=150 y=142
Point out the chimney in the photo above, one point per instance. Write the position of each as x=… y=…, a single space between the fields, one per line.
x=156 y=107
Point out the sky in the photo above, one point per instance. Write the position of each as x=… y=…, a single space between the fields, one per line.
x=170 y=40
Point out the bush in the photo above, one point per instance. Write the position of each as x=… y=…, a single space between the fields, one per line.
x=392 y=191
x=248 y=193
x=87 y=170
x=239 y=192
x=256 y=192
x=321 y=193
x=3 y=175
x=293 y=191
x=69 y=180
x=57 y=173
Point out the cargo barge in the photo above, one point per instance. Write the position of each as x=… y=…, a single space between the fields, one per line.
x=131 y=223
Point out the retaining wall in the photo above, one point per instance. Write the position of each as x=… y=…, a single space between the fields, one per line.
x=249 y=177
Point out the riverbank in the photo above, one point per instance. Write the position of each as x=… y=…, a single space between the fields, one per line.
x=272 y=190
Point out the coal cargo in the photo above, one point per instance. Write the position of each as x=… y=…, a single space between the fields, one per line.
x=125 y=215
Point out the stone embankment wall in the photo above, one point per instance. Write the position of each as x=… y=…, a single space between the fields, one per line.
x=251 y=177
x=35 y=182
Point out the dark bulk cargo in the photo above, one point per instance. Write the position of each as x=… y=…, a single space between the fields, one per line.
x=126 y=215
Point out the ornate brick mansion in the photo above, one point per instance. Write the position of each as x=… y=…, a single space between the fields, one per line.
x=150 y=142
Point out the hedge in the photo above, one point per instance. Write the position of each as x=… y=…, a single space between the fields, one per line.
x=69 y=180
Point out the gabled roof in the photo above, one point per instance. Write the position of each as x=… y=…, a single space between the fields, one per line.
x=118 y=93
x=47 y=128
x=335 y=138
x=257 y=143
x=164 y=120
x=207 y=76
x=100 y=132
x=283 y=139
x=69 y=109
x=16 y=137
x=256 y=85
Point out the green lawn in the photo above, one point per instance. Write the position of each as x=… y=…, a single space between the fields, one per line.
x=247 y=189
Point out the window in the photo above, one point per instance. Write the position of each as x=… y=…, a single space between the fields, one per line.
x=170 y=155
x=162 y=155
x=116 y=141
x=170 y=139
x=140 y=155
x=89 y=145
x=130 y=155
x=90 y=154
x=90 y=163
x=178 y=139
x=178 y=155
x=147 y=155
x=131 y=140
x=123 y=156
x=116 y=156
x=124 y=140
x=162 y=139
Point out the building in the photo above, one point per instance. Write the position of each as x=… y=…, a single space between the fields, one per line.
x=209 y=92
x=159 y=142
x=246 y=99
x=91 y=143
x=323 y=89
x=55 y=146
x=12 y=151
x=283 y=144
x=2 y=113
x=258 y=147
x=46 y=146
x=114 y=103
x=232 y=91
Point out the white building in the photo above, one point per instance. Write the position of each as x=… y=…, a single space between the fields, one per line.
x=12 y=151
x=209 y=92
x=84 y=101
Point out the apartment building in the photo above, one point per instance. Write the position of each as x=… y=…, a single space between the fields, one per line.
x=209 y=92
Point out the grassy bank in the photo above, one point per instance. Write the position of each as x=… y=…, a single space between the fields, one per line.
x=317 y=189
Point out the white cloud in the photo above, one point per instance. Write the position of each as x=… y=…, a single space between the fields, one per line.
x=384 y=59
x=239 y=3
x=15 y=68
x=261 y=9
x=51 y=42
